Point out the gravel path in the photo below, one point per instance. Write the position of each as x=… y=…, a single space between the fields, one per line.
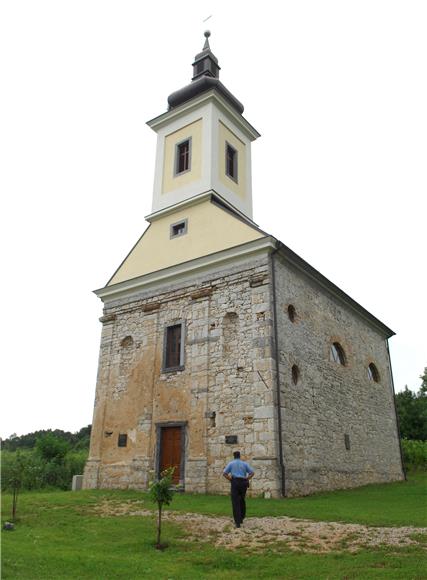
x=276 y=532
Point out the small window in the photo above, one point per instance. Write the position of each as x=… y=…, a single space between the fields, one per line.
x=182 y=156
x=173 y=347
x=373 y=373
x=178 y=229
x=337 y=354
x=347 y=441
x=231 y=161
x=123 y=440
x=292 y=313
x=295 y=374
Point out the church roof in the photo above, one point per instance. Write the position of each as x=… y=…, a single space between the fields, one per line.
x=205 y=77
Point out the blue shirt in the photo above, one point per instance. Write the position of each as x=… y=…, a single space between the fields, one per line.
x=238 y=468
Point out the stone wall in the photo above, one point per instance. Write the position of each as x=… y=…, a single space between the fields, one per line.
x=228 y=385
x=225 y=388
x=329 y=400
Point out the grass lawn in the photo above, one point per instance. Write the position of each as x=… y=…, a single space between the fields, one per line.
x=59 y=536
x=393 y=504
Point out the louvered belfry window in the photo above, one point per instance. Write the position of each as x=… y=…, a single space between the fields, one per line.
x=173 y=346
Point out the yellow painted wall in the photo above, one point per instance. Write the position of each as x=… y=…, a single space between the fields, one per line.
x=225 y=135
x=170 y=181
x=210 y=229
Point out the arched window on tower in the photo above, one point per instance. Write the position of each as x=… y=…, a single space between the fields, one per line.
x=337 y=354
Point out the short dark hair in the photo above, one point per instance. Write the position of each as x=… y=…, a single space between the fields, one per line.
x=236 y=454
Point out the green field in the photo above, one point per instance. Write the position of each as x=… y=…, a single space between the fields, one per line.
x=60 y=535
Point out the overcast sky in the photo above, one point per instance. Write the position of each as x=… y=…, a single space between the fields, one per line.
x=338 y=91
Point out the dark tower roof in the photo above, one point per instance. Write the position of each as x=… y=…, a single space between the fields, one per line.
x=205 y=77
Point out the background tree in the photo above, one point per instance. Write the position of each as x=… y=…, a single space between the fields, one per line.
x=412 y=410
x=160 y=492
x=77 y=441
x=423 y=377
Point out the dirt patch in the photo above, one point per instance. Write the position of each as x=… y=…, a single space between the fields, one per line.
x=274 y=532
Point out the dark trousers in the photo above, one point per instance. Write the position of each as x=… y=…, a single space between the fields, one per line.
x=239 y=486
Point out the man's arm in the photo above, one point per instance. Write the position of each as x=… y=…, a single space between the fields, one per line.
x=226 y=473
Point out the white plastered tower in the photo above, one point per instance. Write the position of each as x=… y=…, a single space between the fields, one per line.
x=209 y=118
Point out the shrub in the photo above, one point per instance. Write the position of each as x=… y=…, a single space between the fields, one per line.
x=414 y=454
x=38 y=472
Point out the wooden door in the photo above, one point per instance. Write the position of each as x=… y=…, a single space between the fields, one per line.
x=170 y=450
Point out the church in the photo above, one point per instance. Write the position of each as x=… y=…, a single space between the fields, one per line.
x=217 y=337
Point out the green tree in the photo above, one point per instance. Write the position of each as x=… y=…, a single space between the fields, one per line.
x=51 y=448
x=53 y=452
x=78 y=440
x=160 y=492
x=423 y=388
x=13 y=474
x=412 y=410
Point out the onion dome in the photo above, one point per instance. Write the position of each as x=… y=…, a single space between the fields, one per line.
x=205 y=78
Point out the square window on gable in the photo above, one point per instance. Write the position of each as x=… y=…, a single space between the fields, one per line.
x=173 y=347
x=183 y=156
x=179 y=229
x=231 y=162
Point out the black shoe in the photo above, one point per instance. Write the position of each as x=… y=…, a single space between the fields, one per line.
x=237 y=525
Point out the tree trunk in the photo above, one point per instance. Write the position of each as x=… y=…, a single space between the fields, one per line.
x=159 y=525
x=14 y=502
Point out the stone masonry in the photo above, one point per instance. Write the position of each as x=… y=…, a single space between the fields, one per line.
x=228 y=385
x=331 y=401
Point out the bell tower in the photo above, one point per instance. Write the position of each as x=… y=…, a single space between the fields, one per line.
x=203 y=143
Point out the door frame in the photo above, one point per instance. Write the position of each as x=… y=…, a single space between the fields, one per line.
x=165 y=425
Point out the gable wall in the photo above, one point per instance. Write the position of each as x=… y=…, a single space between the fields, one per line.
x=210 y=229
x=331 y=400
x=225 y=388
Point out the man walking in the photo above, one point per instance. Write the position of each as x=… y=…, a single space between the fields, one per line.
x=239 y=473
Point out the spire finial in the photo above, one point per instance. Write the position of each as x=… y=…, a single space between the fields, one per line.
x=205 y=63
x=206 y=46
